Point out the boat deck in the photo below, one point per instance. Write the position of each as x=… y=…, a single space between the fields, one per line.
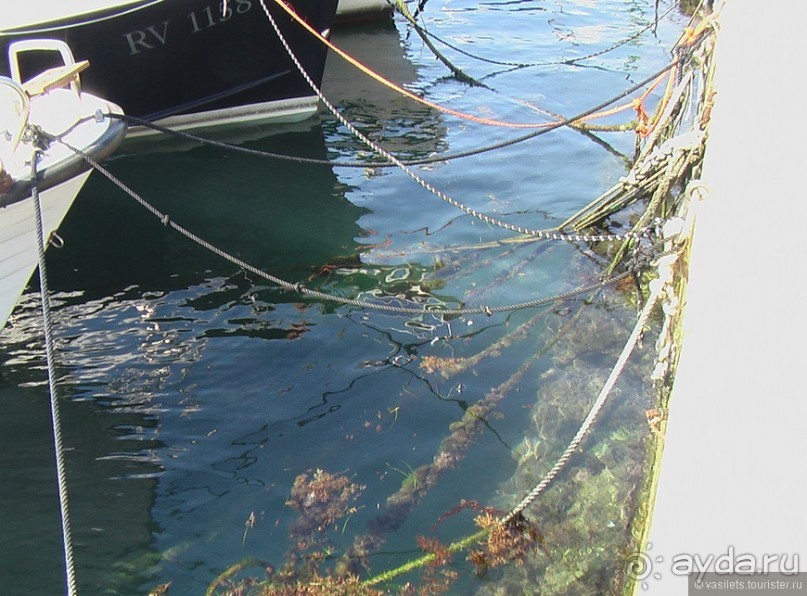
x=731 y=472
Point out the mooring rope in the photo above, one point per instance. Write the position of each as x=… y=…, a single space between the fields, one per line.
x=377 y=77
x=546 y=234
x=384 y=81
x=656 y=289
x=54 y=402
x=412 y=19
x=442 y=158
x=299 y=288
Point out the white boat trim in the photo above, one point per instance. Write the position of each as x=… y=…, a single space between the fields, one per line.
x=280 y=112
x=358 y=10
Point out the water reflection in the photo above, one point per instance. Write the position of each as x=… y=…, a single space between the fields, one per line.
x=404 y=128
x=195 y=394
x=284 y=217
x=183 y=378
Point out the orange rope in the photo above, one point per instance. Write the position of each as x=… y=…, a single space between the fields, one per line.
x=692 y=34
x=637 y=104
x=690 y=37
x=399 y=89
x=387 y=83
x=662 y=104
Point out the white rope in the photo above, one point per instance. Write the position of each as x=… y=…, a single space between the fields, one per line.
x=656 y=290
x=54 y=404
x=546 y=234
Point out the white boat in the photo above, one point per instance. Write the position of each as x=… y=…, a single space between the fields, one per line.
x=32 y=114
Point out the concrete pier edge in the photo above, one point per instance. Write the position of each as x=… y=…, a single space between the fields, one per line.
x=731 y=481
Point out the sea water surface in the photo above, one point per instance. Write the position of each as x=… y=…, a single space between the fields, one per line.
x=195 y=395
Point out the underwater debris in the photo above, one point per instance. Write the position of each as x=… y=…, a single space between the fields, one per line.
x=511 y=542
x=463 y=505
x=445 y=366
x=655 y=416
x=589 y=505
x=450 y=366
x=323 y=586
x=435 y=578
x=316 y=585
x=223 y=583
x=160 y=590
x=451 y=451
x=321 y=499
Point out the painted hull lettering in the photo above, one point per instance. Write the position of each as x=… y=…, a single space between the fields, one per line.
x=146 y=39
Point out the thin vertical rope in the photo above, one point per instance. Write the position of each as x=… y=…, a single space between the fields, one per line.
x=54 y=404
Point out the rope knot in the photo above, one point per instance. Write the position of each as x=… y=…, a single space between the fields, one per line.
x=40 y=139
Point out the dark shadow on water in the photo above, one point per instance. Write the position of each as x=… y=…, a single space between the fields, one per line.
x=284 y=218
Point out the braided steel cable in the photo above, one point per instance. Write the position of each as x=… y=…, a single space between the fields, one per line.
x=61 y=473
x=656 y=288
x=545 y=234
x=411 y=19
x=299 y=288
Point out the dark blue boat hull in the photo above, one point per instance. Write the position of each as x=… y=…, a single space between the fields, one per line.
x=160 y=59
